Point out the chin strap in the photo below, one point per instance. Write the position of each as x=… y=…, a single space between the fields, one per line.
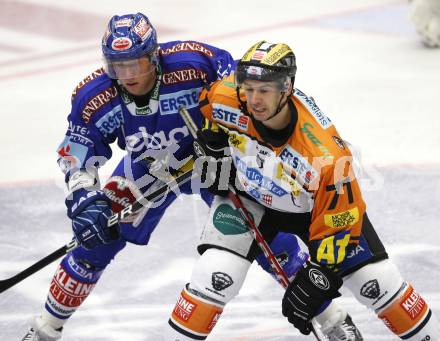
x=279 y=107
x=243 y=104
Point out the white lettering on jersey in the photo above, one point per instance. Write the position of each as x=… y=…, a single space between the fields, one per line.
x=299 y=164
x=229 y=115
x=158 y=140
x=170 y=103
x=111 y=121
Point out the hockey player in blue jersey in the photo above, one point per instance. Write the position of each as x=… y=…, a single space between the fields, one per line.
x=133 y=101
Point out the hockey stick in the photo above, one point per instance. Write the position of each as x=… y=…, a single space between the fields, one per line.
x=5 y=284
x=273 y=261
x=255 y=231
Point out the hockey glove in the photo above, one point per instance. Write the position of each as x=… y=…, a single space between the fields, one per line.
x=89 y=211
x=218 y=170
x=312 y=286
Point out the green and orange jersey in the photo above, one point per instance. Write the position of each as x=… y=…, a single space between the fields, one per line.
x=310 y=172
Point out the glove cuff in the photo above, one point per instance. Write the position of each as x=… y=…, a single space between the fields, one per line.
x=82 y=179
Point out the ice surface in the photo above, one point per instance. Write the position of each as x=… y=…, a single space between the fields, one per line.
x=362 y=62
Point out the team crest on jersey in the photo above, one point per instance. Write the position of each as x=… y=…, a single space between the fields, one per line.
x=230 y=116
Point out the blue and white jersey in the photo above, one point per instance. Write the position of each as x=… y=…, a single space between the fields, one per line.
x=102 y=112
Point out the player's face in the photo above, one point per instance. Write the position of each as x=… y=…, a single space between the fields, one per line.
x=262 y=98
x=137 y=75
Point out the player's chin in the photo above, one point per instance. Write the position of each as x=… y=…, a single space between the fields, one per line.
x=133 y=88
x=259 y=115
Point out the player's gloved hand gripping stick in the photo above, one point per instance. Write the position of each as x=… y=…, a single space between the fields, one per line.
x=112 y=221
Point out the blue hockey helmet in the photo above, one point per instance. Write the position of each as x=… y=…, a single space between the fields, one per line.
x=129 y=37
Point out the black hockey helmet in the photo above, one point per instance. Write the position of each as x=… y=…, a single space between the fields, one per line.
x=267 y=62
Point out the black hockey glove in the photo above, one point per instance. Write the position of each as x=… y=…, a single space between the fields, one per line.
x=312 y=286
x=217 y=168
x=211 y=143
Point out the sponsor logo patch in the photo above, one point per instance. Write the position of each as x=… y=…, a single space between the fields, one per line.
x=142 y=29
x=188 y=46
x=267 y=199
x=185 y=75
x=258 y=55
x=82 y=270
x=170 y=103
x=214 y=321
x=305 y=129
x=92 y=76
x=342 y=219
x=310 y=104
x=229 y=221
x=111 y=121
x=371 y=289
x=238 y=141
x=72 y=152
x=413 y=304
x=256 y=177
x=299 y=164
x=389 y=324
x=67 y=291
x=318 y=279
x=220 y=281
x=123 y=22
x=159 y=140
x=97 y=102
x=121 y=44
x=230 y=116
x=184 y=308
